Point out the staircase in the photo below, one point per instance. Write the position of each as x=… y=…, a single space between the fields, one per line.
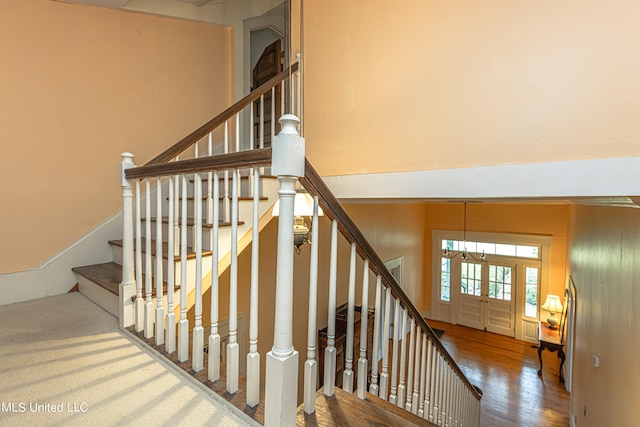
x=201 y=251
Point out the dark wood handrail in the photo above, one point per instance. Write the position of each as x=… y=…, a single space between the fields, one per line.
x=218 y=120
x=316 y=186
x=242 y=159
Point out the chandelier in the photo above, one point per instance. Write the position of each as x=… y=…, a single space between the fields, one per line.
x=464 y=254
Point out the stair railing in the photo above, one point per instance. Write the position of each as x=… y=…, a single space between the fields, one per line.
x=431 y=384
x=436 y=388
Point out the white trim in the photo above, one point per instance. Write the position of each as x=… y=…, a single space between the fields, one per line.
x=54 y=276
x=574 y=178
x=445 y=310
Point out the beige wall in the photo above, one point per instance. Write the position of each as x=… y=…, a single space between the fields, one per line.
x=604 y=247
x=548 y=220
x=80 y=85
x=414 y=85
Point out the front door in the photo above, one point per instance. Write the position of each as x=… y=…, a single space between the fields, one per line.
x=487 y=299
x=267 y=112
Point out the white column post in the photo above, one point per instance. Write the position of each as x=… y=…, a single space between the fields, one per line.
x=128 y=283
x=281 y=391
x=404 y=391
x=330 y=351
x=363 y=365
x=373 y=388
x=348 y=374
x=311 y=366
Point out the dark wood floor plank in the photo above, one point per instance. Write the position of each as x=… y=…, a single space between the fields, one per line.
x=506 y=370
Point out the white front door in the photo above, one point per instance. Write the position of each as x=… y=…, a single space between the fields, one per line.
x=487 y=299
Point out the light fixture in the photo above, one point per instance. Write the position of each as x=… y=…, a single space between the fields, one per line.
x=464 y=254
x=553 y=305
x=302 y=207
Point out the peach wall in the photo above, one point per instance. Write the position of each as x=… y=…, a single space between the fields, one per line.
x=549 y=220
x=604 y=247
x=416 y=85
x=80 y=85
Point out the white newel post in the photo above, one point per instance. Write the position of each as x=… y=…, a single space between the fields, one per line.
x=128 y=283
x=281 y=391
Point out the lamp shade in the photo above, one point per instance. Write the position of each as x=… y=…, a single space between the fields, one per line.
x=552 y=304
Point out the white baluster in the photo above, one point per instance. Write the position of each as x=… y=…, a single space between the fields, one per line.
x=402 y=388
x=330 y=351
x=197 y=355
x=183 y=324
x=148 y=306
x=127 y=286
x=300 y=106
x=239 y=172
x=253 y=357
x=363 y=365
x=407 y=394
x=437 y=395
x=210 y=186
x=445 y=395
x=282 y=361
x=416 y=374
x=262 y=121
x=233 y=349
x=374 y=388
x=423 y=376
x=226 y=210
x=393 y=396
x=176 y=218
x=214 y=336
x=384 y=376
x=428 y=380
x=273 y=113
x=311 y=366
x=252 y=171
x=433 y=380
x=139 y=299
x=170 y=338
x=348 y=374
x=159 y=277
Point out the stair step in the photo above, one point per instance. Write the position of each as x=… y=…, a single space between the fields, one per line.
x=346 y=409
x=165 y=249
x=109 y=276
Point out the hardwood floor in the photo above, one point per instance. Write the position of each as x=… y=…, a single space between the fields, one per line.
x=507 y=372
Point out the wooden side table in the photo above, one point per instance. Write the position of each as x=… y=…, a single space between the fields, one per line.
x=550 y=339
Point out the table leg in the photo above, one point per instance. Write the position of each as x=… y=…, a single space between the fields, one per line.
x=540 y=357
x=561 y=354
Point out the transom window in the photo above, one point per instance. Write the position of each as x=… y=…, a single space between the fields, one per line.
x=518 y=251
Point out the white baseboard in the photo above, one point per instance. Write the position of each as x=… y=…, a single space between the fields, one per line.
x=54 y=276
